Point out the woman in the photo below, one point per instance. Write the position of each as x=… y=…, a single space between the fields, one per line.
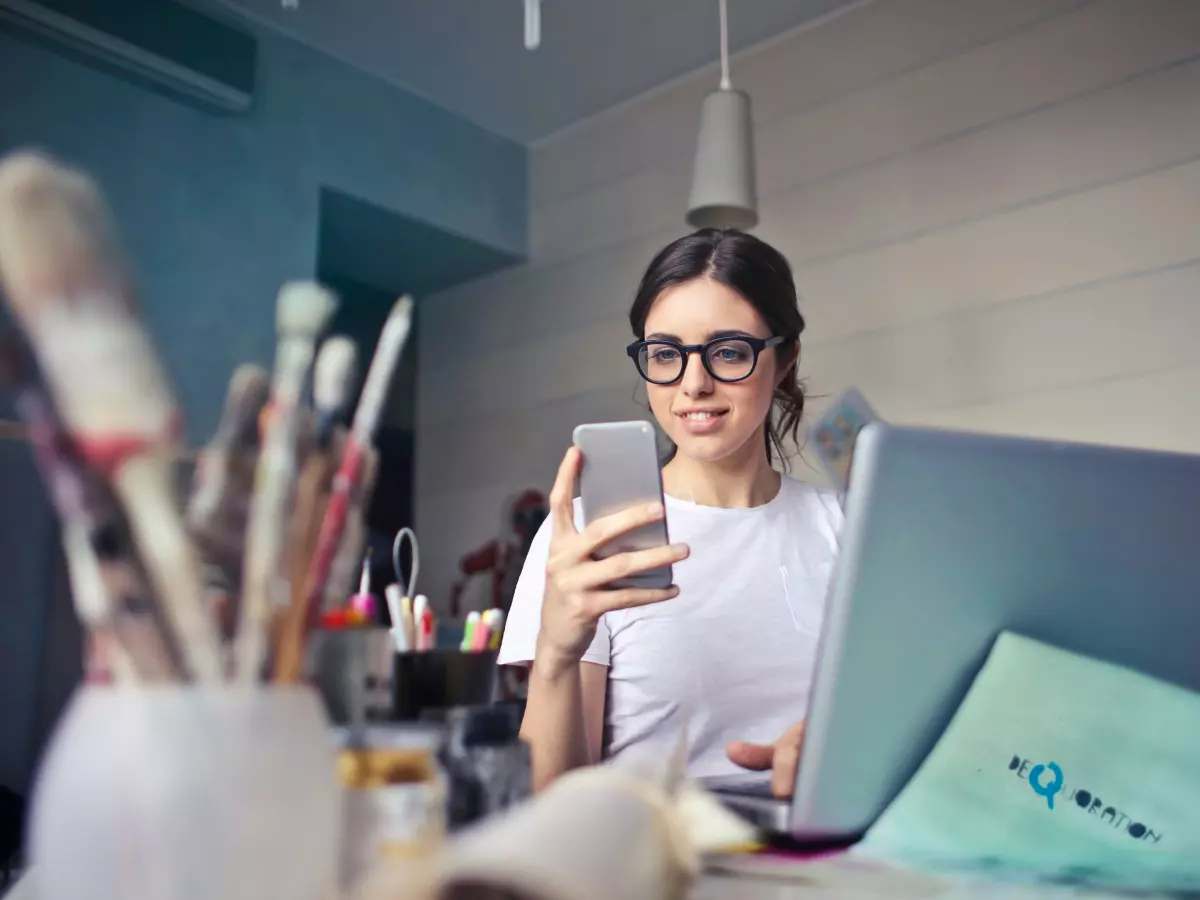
x=731 y=647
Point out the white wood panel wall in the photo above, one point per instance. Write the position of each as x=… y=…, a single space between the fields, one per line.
x=992 y=207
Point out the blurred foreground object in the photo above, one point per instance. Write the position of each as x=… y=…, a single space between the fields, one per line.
x=187 y=793
x=393 y=798
x=68 y=286
x=631 y=829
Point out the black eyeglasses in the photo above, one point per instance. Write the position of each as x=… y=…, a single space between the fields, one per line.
x=727 y=359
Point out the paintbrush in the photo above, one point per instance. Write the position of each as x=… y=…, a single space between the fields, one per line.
x=333 y=378
x=224 y=477
x=357 y=449
x=343 y=570
x=70 y=290
x=108 y=586
x=302 y=311
x=358 y=444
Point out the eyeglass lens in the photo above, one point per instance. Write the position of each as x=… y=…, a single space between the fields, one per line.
x=728 y=360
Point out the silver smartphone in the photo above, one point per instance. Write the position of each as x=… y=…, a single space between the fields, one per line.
x=620 y=469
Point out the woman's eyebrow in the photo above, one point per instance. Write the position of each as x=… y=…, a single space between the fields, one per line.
x=712 y=336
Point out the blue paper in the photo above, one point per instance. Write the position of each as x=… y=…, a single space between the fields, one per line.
x=1059 y=768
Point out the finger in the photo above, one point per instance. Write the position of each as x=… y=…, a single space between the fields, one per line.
x=794 y=735
x=783 y=769
x=611 y=526
x=609 y=601
x=592 y=575
x=758 y=757
x=562 y=495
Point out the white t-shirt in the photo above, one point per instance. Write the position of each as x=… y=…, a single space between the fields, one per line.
x=734 y=651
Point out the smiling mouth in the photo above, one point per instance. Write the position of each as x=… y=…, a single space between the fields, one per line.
x=701 y=416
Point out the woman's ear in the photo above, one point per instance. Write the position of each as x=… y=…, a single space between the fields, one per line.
x=793 y=359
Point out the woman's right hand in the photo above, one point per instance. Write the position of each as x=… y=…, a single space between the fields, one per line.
x=576 y=596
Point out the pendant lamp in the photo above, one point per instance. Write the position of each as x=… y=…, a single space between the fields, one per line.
x=533 y=24
x=723 y=193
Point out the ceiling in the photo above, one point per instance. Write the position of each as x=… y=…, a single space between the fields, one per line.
x=468 y=56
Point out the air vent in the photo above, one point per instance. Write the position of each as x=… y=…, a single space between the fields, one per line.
x=165 y=44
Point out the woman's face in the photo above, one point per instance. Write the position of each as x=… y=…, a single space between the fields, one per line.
x=710 y=420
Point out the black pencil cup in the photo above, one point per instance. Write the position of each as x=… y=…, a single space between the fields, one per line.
x=426 y=685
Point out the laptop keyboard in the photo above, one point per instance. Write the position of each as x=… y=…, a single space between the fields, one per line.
x=741 y=787
x=754 y=789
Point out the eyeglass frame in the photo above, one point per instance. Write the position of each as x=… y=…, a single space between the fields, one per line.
x=758 y=345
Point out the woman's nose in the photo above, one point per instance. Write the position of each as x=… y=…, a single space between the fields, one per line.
x=696 y=382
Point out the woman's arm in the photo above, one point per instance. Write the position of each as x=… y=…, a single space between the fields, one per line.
x=564 y=713
x=564 y=718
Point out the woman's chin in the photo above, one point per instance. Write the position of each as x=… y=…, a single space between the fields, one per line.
x=706 y=447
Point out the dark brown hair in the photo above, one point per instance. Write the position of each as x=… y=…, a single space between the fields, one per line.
x=758 y=272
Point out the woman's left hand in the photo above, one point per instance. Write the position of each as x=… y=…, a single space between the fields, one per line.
x=782 y=758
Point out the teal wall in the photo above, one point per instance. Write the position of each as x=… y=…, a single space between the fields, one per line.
x=216 y=212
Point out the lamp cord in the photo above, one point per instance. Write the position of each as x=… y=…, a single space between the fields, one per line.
x=725 y=83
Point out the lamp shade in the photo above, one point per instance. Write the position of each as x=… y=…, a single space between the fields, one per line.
x=723 y=192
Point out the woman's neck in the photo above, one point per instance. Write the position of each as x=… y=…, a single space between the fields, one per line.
x=741 y=481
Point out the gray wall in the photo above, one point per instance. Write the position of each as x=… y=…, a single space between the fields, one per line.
x=992 y=207
x=217 y=212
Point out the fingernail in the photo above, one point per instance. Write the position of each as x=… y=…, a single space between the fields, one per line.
x=681 y=549
x=654 y=509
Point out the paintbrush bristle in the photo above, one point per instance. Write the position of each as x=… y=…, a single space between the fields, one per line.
x=71 y=291
x=334 y=373
x=303 y=309
x=249 y=379
x=249 y=391
x=56 y=236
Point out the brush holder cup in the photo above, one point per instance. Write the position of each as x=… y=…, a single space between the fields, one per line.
x=188 y=793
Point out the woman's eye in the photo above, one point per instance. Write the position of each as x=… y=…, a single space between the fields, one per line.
x=664 y=355
x=730 y=354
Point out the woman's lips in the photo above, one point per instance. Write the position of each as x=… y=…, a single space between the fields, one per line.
x=702 y=422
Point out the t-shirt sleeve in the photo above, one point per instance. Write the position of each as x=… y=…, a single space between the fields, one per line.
x=525 y=615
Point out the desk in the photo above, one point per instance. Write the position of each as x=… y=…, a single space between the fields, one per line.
x=712 y=887
x=736 y=887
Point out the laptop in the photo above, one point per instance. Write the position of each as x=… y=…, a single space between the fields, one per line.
x=949 y=539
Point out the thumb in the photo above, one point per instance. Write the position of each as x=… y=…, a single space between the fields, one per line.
x=759 y=757
x=562 y=504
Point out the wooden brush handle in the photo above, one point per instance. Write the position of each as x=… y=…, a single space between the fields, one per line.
x=346 y=569
x=333 y=523
x=143 y=485
x=311 y=499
